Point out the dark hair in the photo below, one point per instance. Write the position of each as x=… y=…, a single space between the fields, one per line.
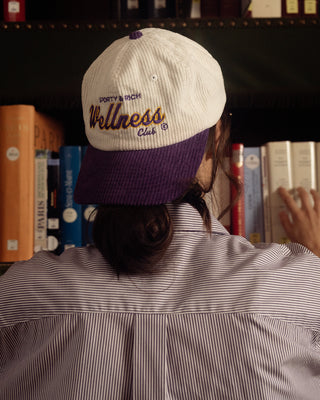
x=134 y=238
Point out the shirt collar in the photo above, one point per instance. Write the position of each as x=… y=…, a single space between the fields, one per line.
x=187 y=218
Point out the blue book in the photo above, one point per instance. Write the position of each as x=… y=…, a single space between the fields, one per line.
x=253 y=198
x=71 y=220
x=53 y=227
x=87 y=216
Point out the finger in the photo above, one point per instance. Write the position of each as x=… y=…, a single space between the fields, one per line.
x=316 y=199
x=305 y=199
x=286 y=223
x=288 y=200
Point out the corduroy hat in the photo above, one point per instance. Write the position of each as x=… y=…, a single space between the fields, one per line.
x=148 y=102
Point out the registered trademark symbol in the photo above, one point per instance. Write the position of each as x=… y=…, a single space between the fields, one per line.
x=164 y=126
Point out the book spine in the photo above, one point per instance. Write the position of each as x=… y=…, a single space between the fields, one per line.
x=49 y=133
x=41 y=200
x=303 y=166
x=88 y=214
x=230 y=8
x=280 y=174
x=195 y=9
x=71 y=221
x=53 y=227
x=266 y=9
x=253 y=201
x=133 y=9
x=210 y=8
x=220 y=196
x=237 y=210
x=16 y=182
x=310 y=8
x=14 y=11
x=291 y=8
x=265 y=195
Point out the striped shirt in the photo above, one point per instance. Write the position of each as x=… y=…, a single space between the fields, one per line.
x=221 y=319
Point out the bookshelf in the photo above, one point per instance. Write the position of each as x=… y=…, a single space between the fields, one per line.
x=271 y=69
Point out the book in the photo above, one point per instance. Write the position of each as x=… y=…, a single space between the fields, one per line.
x=230 y=8
x=19 y=138
x=219 y=197
x=160 y=9
x=291 y=8
x=210 y=8
x=304 y=169
x=88 y=215
x=266 y=9
x=309 y=8
x=41 y=200
x=195 y=9
x=253 y=197
x=280 y=174
x=71 y=212
x=14 y=11
x=237 y=210
x=265 y=195
x=53 y=226
x=129 y=9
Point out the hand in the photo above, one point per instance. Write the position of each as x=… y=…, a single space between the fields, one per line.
x=304 y=225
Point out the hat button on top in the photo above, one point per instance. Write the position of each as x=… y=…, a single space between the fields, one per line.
x=135 y=35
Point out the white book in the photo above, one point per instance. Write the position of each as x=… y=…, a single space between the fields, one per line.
x=303 y=166
x=280 y=174
x=41 y=200
x=220 y=196
x=266 y=8
x=265 y=195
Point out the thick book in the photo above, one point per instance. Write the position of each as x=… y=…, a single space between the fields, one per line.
x=41 y=200
x=266 y=9
x=53 y=225
x=280 y=174
x=71 y=212
x=304 y=169
x=237 y=210
x=22 y=132
x=253 y=197
x=14 y=11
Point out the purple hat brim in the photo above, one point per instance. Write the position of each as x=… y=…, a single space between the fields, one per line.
x=140 y=177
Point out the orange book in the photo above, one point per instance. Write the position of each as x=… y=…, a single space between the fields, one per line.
x=22 y=130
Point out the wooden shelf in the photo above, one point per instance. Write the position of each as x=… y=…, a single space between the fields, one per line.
x=268 y=64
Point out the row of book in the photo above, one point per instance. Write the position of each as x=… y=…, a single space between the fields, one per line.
x=261 y=171
x=37 y=178
x=20 y=10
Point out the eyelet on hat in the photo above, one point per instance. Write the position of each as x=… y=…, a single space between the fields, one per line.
x=154 y=77
x=135 y=35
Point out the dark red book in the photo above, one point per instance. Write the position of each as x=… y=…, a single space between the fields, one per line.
x=210 y=8
x=14 y=11
x=237 y=170
x=230 y=8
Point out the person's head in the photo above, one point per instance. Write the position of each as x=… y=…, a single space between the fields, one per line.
x=149 y=101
